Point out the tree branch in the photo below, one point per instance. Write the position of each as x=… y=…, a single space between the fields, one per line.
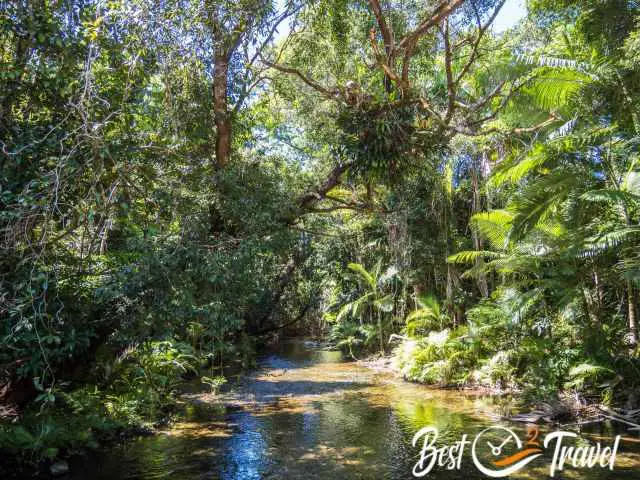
x=385 y=29
x=451 y=90
x=409 y=41
x=382 y=60
x=476 y=45
x=309 y=199
x=513 y=131
x=442 y=11
x=330 y=92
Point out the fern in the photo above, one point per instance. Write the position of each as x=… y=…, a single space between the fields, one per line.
x=587 y=372
x=605 y=195
x=363 y=274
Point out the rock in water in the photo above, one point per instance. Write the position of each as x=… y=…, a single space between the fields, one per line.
x=59 y=468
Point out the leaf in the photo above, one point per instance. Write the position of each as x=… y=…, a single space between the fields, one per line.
x=385 y=303
x=38 y=384
x=516 y=170
x=363 y=274
x=470 y=256
x=605 y=195
x=494 y=226
x=584 y=372
x=51 y=453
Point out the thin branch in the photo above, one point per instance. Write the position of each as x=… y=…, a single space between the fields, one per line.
x=382 y=60
x=289 y=11
x=330 y=92
x=491 y=95
x=442 y=11
x=247 y=92
x=476 y=45
x=553 y=118
x=513 y=131
x=503 y=103
x=409 y=42
x=385 y=29
x=335 y=208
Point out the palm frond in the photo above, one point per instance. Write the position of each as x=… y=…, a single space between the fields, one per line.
x=552 y=90
x=609 y=240
x=540 y=199
x=494 y=226
x=605 y=195
x=513 y=172
x=470 y=256
x=363 y=274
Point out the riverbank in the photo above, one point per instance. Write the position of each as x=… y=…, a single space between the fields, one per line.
x=126 y=394
x=565 y=409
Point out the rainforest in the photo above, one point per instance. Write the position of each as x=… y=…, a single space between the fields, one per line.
x=259 y=238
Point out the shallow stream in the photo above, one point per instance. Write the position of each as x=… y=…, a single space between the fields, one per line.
x=307 y=413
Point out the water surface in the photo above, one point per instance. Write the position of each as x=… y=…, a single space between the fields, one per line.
x=307 y=413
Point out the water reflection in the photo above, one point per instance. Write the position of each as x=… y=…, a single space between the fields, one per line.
x=245 y=452
x=308 y=414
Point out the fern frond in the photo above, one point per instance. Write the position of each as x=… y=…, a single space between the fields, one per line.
x=541 y=198
x=555 y=89
x=605 y=195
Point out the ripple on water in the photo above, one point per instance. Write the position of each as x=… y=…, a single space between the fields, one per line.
x=306 y=413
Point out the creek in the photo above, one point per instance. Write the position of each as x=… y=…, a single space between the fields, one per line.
x=307 y=412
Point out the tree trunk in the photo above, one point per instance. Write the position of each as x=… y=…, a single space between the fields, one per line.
x=633 y=325
x=483 y=285
x=221 y=114
x=380 y=332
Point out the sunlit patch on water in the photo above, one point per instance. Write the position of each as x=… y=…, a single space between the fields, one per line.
x=306 y=413
x=245 y=453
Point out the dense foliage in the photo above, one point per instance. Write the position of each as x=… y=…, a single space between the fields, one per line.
x=182 y=180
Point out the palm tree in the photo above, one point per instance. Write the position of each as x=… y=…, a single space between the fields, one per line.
x=428 y=316
x=372 y=301
x=575 y=217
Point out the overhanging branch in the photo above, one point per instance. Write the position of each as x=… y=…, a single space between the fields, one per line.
x=328 y=92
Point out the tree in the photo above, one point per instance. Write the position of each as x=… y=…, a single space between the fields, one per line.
x=373 y=301
x=240 y=31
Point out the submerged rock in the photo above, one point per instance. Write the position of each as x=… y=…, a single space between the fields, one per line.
x=58 y=468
